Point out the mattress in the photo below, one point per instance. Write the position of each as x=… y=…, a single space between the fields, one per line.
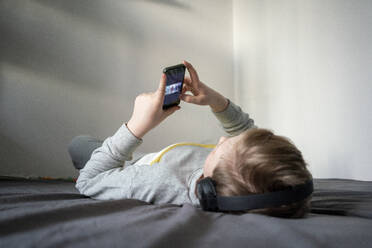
x=52 y=213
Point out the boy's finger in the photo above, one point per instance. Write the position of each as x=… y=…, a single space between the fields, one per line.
x=162 y=85
x=193 y=74
x=172 y=110
x=186 y=88
x=187 y=80
x=187 y=98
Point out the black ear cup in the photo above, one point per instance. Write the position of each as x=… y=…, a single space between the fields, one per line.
x=206 y=189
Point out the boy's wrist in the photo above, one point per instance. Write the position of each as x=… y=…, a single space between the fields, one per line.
x=219 y=103
x=135 y=129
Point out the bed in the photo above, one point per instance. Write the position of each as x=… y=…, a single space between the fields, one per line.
x=51 y=213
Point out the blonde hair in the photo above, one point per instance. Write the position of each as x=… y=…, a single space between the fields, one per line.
x=263 y=162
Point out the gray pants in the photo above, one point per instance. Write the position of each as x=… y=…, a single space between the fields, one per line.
x=81 y=148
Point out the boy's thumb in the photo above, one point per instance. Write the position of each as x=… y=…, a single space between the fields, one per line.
x=187 y=98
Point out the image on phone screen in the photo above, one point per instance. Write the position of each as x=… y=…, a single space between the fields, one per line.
x=173 y=88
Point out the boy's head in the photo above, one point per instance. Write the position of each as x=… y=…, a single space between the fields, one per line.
x=255 y=162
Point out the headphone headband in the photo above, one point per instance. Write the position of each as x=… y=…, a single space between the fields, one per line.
x=211 y=202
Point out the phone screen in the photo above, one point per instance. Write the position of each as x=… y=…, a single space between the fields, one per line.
x=174 y=86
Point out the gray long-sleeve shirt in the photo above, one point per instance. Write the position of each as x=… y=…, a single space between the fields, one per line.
x=168 y=176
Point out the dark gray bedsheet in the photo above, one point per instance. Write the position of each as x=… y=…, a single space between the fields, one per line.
x=47 y=213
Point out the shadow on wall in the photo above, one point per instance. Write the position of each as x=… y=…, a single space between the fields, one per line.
x=74 y=41
x=68 y=45
x=173 y=3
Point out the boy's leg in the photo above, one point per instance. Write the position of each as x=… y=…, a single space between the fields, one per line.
x=81 y=148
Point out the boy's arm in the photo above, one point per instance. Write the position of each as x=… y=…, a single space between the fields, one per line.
x=104 y=175
x=233 y=120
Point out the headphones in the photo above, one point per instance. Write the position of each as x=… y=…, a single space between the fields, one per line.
x=210 y=201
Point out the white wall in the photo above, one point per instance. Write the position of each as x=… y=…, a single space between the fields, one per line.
x=73 y=67
x=303 y=69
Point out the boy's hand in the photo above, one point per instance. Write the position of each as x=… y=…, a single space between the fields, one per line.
x=202 y=94
x=148 y=110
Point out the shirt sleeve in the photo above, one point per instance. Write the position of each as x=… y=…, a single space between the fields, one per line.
x=105 y=175
x=234 y=120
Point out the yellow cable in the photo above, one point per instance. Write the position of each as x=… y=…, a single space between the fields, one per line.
x=157 y=159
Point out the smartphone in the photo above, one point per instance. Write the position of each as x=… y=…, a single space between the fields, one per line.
x=175 y=75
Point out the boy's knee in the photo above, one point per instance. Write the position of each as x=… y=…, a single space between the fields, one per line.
x=77 y=143
x=80 y=148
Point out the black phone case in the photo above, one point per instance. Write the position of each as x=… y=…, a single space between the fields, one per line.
x=166 y=70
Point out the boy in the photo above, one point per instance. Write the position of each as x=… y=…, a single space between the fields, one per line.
x=250 y=160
